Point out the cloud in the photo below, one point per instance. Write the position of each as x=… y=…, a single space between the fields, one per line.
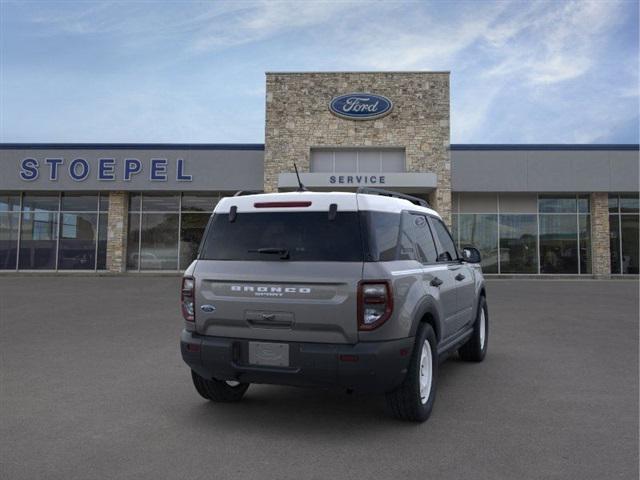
x=552 y=42
x=256 y=21
x=521 y=71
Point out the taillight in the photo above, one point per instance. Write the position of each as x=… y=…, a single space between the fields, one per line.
x=375 y=303
x=187 y=298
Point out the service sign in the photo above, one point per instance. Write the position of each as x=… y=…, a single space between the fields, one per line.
x=360 y=106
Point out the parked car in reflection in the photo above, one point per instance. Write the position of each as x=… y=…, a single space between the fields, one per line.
x=160 y=259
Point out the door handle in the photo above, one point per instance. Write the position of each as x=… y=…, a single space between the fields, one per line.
x=436 y=282
x=459 y=277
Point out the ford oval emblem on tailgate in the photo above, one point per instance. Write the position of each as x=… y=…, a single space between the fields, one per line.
x=208 y=308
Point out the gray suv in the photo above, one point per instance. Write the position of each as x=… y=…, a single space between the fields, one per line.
x=364 y=291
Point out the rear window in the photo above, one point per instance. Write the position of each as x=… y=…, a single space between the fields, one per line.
x=305 y=236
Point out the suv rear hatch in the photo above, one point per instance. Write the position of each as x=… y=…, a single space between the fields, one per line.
x=285 y=270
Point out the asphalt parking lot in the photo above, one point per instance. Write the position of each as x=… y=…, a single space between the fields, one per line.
x=93 y=386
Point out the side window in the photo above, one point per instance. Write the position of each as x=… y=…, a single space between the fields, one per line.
x=447 y=250
x=416 y=242
x=406 y=245
x=381 y=232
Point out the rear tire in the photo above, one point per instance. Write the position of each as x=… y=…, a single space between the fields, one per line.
x=218 y=390
x=413 y=400
x=476 y=347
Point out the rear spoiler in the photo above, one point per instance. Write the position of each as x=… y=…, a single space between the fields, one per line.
x=390 y=193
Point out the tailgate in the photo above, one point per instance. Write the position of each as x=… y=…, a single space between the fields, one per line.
x=282 y=301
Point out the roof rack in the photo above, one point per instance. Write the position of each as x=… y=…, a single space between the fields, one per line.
x=390 y=193
x=242 y=193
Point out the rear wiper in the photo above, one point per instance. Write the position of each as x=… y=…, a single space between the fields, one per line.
x=283 y=252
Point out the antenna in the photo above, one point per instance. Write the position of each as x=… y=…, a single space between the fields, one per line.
x=301 y=187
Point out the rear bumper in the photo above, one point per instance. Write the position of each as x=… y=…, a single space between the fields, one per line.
x=373 y=367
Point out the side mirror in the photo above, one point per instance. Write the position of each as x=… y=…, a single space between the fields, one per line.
x=471 y=255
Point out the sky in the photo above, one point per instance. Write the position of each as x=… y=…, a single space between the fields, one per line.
x=193 y=72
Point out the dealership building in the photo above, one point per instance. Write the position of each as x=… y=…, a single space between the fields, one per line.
x=530 y=209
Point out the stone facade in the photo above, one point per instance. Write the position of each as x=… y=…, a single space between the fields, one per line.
x=117 y=231
x=298 y=119
x=600 y=248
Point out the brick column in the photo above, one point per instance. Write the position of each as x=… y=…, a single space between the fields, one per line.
x=117 y=231
x=440 y=201
x=600 y=252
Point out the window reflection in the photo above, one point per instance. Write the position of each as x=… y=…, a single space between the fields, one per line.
x=77 y=248
x=614 y=243
x=133 y=242
x=630 y=243
x=481 y=231
x=558 y=244
x=191 y=231
x=165 y=229
x=38 y=238
x=40 y=201
x=557 y=204
x=518 y=244
x=584 y=223
x=9 y=202
x=159 y=241
x=9 y=222
x=199 y=202
x=79 y=202
x=624 y=240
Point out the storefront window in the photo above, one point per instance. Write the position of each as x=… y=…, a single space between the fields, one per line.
x=199 y=202
x=9 y=224
x=558 y=244
x=51 y=231
x=133 y=239
x=9 y=202
x=518 y=244
x=159 y=241
x=72 y=202
x=629 y=203
x=9 y=228
x=565 y=234
x=583 y=204
x=165 y=230
x=78 y=234
x=153 y=202
x=480 y=231
x=629 y=237
x=623 y=233
x=584 y=238
x=80 y=225
x=557 y=204
x=40 y=202
x=191 y=229
x=614 y=242
x=101 y=260
x=39 y=231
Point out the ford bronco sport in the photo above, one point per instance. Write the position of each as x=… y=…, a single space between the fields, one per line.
x=365 y=291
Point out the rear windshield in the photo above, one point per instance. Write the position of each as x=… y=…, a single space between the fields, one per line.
x=285 y=236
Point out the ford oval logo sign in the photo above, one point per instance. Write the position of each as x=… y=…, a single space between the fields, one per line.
x=360 y=106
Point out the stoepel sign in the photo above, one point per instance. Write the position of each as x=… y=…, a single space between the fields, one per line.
x=106 y=169
x=360 y=106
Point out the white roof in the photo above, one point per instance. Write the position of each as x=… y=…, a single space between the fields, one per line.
x=319 y=201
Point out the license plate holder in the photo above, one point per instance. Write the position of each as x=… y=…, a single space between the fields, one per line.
x=269 y=354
